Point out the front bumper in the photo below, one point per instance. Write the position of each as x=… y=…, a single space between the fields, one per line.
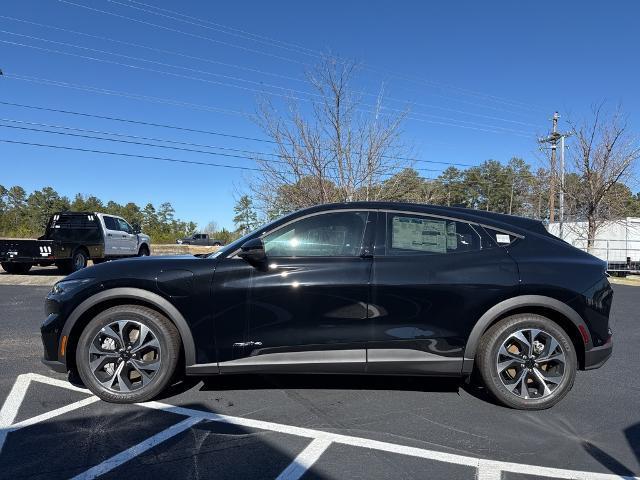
x=55 y=365
x=597 y=356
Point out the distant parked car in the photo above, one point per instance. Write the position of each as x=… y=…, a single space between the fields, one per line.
x=71 y=239
x=200 y=239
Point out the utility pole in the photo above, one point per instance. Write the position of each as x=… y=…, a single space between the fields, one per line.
x=553 y=140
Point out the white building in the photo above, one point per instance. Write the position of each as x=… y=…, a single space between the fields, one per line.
x=618 y=243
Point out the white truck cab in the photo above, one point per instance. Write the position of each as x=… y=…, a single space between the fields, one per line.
x=120 y=239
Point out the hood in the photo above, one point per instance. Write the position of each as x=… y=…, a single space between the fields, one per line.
x=147 y=267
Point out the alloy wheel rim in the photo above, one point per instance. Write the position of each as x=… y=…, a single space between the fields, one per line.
x=531 y=363
x=79 y=261
x=124 y=356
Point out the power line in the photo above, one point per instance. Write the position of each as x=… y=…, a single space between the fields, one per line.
x=201 y=37
x=393 y=99
x=147 y=157
x=134 y=96
x=318 y=54
x=447 y=121
x=155 y=145
x=222 y=29
x=192 y=162
x=288 y=59
x=194 y=130
x=155 y=49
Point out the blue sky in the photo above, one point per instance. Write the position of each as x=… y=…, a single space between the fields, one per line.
x=494 y=72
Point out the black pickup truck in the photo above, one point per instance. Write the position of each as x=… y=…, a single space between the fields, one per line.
x=70 y=240
x=200 y=239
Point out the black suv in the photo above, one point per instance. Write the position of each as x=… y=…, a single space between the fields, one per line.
x=375 y=288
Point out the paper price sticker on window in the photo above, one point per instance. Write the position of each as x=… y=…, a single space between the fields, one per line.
x=503 y=238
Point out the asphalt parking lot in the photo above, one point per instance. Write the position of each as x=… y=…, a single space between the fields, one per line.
x=312 y=426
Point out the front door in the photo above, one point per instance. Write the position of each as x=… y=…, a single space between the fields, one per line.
x=307 y=310
x=128 y=240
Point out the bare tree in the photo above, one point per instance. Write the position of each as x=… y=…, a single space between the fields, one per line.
x=338 y=148
x=603 y=155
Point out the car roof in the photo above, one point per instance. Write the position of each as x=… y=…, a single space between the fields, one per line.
x=497 y=220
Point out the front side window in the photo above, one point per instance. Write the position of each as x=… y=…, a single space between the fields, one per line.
x=337 y=234
x=417 y=234
x=123 y=226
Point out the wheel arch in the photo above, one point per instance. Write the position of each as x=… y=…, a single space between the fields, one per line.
x=99 y=302
x=565 y=316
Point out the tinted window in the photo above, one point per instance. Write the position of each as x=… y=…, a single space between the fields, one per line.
x=110 y=223
x=326 y=235
x=416 y=234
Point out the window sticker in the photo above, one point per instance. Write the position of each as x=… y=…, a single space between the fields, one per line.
x=420 y=234
x=503 y=238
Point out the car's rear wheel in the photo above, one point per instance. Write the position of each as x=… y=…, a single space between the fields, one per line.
x=128 y=354
x=527 y=362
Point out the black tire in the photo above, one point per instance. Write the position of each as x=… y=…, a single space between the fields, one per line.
x=163 y=330
x=487 y=363
x=144 y=251
x=16 y=268
x=217 y=244
x=78 y=261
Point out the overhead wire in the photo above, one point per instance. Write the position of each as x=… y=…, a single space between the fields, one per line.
x=202 y=37
x=253 y=70
x=446 y=120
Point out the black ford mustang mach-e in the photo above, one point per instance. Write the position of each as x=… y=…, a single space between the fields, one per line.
x=362 y=288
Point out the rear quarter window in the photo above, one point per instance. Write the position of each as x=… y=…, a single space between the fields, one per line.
x=501 y=239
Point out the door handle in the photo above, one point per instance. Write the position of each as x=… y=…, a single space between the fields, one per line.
x=367 y=252
x=124 y=236
x=109 y=235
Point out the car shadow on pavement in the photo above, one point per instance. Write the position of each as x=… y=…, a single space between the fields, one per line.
x=330 y=382
x=75 y=442
x=612 y=464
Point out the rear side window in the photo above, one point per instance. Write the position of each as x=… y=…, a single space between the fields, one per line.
x=110 y=223
x=416 y=234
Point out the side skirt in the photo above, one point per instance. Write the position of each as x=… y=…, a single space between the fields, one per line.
x=374 y=361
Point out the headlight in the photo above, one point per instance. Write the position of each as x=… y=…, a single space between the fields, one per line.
x=67 y=286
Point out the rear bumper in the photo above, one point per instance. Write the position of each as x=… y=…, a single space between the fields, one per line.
x=597 y=356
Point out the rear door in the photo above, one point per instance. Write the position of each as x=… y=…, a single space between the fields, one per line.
x=432 y=278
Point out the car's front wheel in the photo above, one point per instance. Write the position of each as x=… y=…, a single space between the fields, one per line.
x=527 y=362
x=128 y=354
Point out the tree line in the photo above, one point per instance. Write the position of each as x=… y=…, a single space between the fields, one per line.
x=26 y=215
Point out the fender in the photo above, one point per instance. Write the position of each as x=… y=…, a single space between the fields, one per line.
x=138 y=294
x=512 y=304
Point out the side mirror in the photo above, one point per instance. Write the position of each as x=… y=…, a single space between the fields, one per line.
x=252 y=252
x=136 y=228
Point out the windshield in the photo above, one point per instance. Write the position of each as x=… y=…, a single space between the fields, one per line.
x=237 y=243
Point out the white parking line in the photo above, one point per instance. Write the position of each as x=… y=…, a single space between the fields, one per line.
x=136 y=450
x=485 y=469
x=305 y=460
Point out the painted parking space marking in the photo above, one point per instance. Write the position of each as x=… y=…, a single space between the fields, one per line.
x=320 y=440
x=138 y=449
x=305 y=460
